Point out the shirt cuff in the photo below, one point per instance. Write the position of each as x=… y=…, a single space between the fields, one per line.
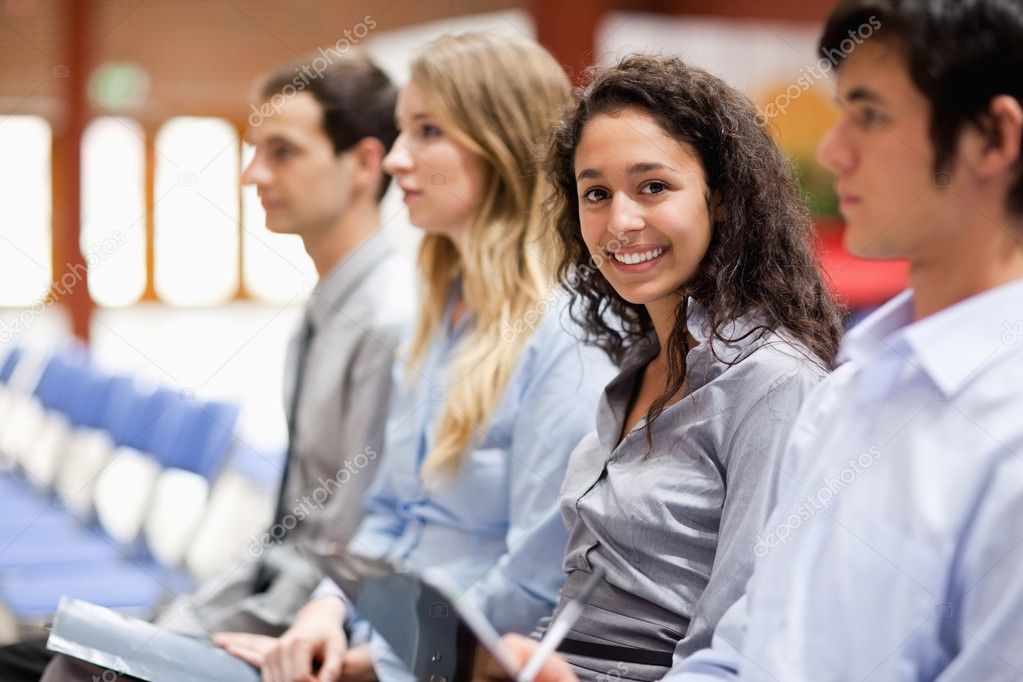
x=357 y=628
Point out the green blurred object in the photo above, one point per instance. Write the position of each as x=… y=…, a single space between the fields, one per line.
x=119 y=86
x=817 y=186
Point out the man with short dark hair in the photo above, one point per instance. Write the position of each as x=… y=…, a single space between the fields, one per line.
x=894 y=550
x=319 y=143
x=319 y=139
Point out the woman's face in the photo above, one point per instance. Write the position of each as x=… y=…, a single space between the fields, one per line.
x=442 y=181
x=642 y=206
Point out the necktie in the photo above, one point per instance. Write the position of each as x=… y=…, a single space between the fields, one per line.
x=304 y=342
x=265 y=574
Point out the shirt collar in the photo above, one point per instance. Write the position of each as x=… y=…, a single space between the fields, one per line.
x=950 y=346
x=704 y=362
x=331 y=291
x=874 y=334
x=646 y=349
x=697 y=321
x=738 y=338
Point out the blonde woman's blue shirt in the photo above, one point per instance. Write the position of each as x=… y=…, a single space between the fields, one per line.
x=508 y=482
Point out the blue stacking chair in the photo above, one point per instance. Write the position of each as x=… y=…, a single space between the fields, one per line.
x=122 y=503
x=137 y=583
x=10 y=362
x=92 y=414
x=117 y=401
x=56 y=379
x=248 y=481
x=207 y=442
x=86 y=398
x=132 y=413
x=85 y=392
x=151 y=428
x=58 y=389
x=162 y=415
x=46 y=535
x=47 y=372
x=112 y=404
x=6 y=372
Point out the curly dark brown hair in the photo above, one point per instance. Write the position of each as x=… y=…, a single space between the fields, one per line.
x=761 y=257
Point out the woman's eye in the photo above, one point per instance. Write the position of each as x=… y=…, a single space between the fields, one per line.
x=655 y=187
x=594 y=195
x=430 y=131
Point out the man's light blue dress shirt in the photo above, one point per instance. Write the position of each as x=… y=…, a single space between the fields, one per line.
x=895 y=551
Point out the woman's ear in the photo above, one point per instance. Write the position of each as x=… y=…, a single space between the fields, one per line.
x=717 y=208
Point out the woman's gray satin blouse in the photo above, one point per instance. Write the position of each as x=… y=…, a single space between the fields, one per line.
x=675 y=525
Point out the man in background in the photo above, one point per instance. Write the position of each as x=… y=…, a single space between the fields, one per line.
x=319 y=142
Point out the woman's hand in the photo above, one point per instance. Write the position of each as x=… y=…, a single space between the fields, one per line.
x=316 y=635
x=554 y=669
x=358 y=666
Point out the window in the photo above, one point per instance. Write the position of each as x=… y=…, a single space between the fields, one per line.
x=196 y=211
x=113 y=210
x=25 y=240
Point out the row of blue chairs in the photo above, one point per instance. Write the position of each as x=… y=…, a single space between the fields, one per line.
x=106 y=482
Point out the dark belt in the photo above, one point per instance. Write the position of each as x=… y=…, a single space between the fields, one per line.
x=608 y=652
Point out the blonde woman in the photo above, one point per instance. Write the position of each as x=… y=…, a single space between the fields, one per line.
x=497 y=389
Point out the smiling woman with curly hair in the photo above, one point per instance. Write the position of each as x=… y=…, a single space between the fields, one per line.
x=689 y=257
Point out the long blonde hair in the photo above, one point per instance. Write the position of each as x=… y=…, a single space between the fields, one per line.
x=498 y=97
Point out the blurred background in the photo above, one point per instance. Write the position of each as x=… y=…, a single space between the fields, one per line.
x=125 y=237
x=120 y=149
